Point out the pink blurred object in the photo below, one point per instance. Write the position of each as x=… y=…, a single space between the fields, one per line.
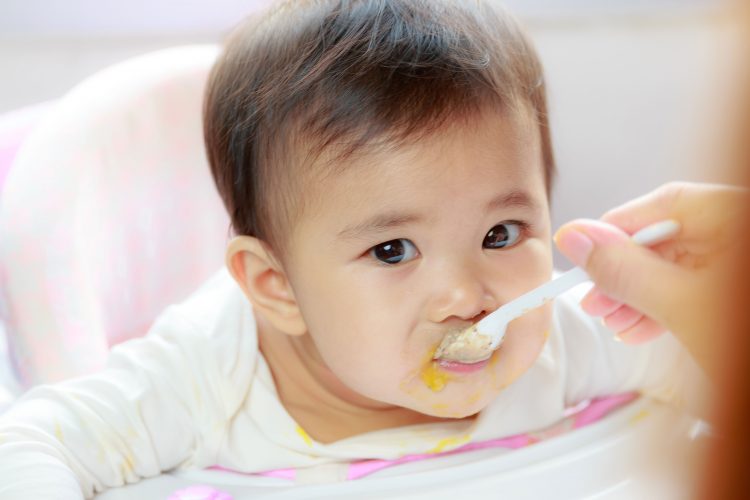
x=15 y=126
x=199 y=493
x=108 y=214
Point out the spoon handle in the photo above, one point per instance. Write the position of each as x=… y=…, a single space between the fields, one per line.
x=497 y=321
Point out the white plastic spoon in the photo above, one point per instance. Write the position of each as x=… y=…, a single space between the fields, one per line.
x=477 y=342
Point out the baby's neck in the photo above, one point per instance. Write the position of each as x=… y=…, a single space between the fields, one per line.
x=317 y=400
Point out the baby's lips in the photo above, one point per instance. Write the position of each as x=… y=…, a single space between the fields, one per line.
x=463 y=367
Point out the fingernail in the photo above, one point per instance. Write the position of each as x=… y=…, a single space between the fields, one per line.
x=574 y=245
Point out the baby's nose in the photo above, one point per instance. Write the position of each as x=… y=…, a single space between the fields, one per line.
x=461 y=293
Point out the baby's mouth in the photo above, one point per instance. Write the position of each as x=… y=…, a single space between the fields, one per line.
x=461 y=367
x=464 y=346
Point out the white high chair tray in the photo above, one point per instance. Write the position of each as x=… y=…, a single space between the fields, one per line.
x=641 y=451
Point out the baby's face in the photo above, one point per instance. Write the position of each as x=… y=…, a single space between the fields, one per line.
x=411 y=243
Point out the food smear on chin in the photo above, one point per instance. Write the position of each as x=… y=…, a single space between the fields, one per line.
x=434 y=377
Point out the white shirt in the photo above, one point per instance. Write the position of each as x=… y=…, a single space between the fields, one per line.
x=197 y=392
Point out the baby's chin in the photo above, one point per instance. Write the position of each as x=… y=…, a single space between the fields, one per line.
x=456 y=402
x=453 y=411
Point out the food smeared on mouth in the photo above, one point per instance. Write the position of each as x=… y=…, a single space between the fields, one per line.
x=428 y=373
x=464 y=346
x=434 y=377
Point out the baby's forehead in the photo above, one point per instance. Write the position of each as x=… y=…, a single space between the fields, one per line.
x=487 y=131
x=468 y=151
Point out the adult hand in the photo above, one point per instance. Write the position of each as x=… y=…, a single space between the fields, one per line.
x=678 y=285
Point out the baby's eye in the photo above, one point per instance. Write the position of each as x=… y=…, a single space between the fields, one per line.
x=503 y=235
x=394 y=251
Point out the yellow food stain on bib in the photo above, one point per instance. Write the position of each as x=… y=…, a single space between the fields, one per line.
x=197 y=394
x=452 y=442
x=305 y=436
x=638 y=416
x=126 y=467
x=58 y=432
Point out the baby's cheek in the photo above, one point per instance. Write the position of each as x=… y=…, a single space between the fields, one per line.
x=366 y=366
x=537 y=321
x=530 y=332
x=520 y=349
x=536 y=268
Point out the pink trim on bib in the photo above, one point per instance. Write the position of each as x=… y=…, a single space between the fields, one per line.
x=579 y=416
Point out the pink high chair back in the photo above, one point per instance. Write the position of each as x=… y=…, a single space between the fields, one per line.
x=108 y=214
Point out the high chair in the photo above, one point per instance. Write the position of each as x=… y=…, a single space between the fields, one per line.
x=108 y=214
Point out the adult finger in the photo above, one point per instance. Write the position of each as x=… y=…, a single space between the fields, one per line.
x=598 y=303
x=623 y=270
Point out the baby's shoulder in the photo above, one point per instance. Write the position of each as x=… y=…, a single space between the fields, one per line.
x=217 y=310
x=573 y=330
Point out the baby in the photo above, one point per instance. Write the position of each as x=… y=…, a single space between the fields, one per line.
x=387 y=168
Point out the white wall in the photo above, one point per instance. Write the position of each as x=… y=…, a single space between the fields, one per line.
x=117 y=18
x=47 y=46
x=635 y=103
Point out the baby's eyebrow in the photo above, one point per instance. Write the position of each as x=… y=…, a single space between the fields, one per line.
x=515 y=198
x=383 y=222
x=378 y=224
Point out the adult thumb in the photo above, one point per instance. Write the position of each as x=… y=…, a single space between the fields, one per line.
x=632 y=274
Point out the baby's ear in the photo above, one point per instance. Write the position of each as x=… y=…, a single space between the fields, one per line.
x=259 y=274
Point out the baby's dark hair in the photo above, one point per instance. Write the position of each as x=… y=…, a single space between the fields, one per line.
x=310 y=76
